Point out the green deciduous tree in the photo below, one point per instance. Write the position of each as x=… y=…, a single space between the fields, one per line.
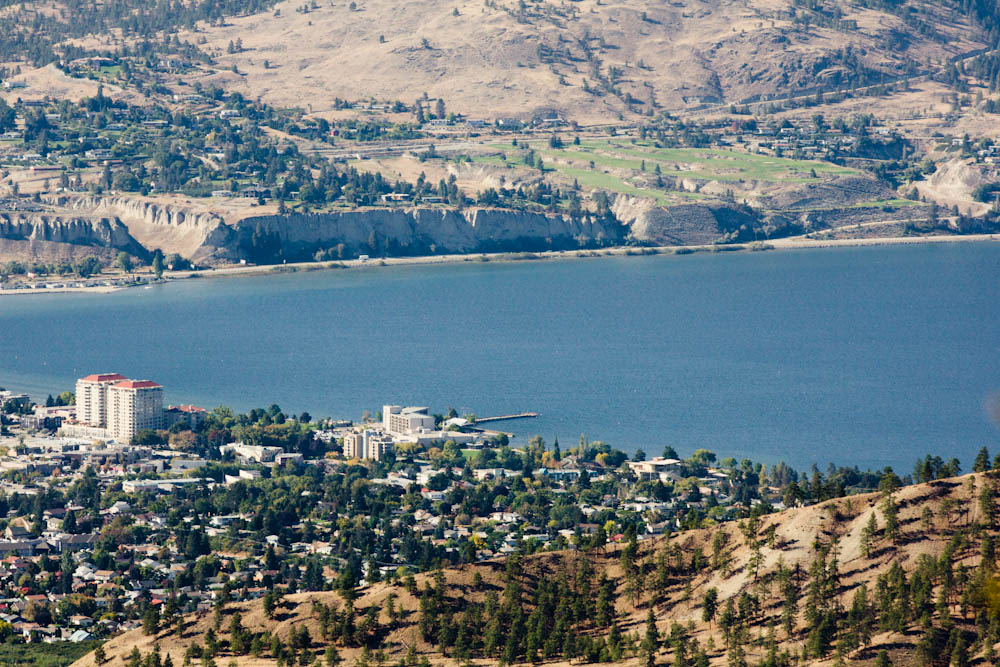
x=124 y=262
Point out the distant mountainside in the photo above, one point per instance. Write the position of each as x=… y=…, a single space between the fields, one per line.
x=589 y=60
x=820 y=116
x=911 y=573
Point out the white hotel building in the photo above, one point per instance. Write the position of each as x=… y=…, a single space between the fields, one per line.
x=401 y=421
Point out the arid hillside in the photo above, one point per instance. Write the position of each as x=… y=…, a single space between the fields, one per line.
x=908 y=572
x=588 y=60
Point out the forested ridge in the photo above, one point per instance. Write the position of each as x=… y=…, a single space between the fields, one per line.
x=904 y=576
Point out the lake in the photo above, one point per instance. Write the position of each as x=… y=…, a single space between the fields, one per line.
x=867 y=355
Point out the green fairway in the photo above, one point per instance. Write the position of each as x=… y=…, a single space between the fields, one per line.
x=617 y=165
x=700 y=163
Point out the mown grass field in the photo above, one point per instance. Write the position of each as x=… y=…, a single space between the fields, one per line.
x=619 y=165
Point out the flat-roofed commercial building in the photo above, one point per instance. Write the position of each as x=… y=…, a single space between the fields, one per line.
x=398 y=420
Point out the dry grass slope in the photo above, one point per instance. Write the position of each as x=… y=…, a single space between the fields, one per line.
x=495 y=59
x=930 y=515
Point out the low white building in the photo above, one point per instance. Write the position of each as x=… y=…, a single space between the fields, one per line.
x=243 y=476
x=658 y=468
x=400 y=421
x=256 y=453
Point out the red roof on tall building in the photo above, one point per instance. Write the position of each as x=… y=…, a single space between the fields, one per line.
x=104 y=377
x=136 y=384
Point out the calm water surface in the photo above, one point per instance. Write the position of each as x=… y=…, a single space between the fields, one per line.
x=868 y=356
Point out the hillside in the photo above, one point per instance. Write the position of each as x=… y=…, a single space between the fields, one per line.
x=689 y=122
x=806 y=581
x=590 y=60
x=587 y=60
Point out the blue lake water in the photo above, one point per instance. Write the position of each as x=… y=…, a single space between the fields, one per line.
x=867 y=356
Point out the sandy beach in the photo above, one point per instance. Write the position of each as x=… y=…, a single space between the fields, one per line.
x=776 y=244
x=62 y=290
x=790 y=243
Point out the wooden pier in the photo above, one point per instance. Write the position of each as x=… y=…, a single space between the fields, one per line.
x=520 y=415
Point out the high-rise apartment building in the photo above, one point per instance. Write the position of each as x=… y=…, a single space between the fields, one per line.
x=133 y=406
x=121 y=406
x=92 y=398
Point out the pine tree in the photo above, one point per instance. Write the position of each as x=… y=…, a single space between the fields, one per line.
x=270 y=604
x=709 y=605
x=982 y=463
x=960 y=654
x=868 y=535
x=651 y=641
x=890 y=510
x=151 y=621
x=987 y=505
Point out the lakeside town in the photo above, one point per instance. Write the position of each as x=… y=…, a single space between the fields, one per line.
x=119 y=512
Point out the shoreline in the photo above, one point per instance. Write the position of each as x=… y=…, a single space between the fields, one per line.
x=788 y=243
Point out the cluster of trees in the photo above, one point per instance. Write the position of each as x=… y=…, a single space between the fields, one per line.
x=372 y=130
x=7 y=116
x=570 y=613
x=359 y=188
x=84 y=268
x=45 y=37
x=64 y=398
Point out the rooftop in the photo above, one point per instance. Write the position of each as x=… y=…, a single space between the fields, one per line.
x=104 y=377
x=136 y=384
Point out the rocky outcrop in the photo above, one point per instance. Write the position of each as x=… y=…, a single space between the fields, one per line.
x=52 y=231
x=414 y=231
x=685 y=224
x=840 y=192
x=954 y=182
x=155 y=225
x=209 y=238
x=140 y=226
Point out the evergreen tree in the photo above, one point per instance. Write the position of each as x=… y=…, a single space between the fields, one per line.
x=651 y=640
x=960 y=654
x=982 y=463
x=709 y=605
x=151 y=621
x=890 y=511
x=868 y=535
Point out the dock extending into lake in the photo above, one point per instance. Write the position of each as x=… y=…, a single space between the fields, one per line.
x=519 y=415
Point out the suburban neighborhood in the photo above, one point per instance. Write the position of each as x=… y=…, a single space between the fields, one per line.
x=117 y=510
